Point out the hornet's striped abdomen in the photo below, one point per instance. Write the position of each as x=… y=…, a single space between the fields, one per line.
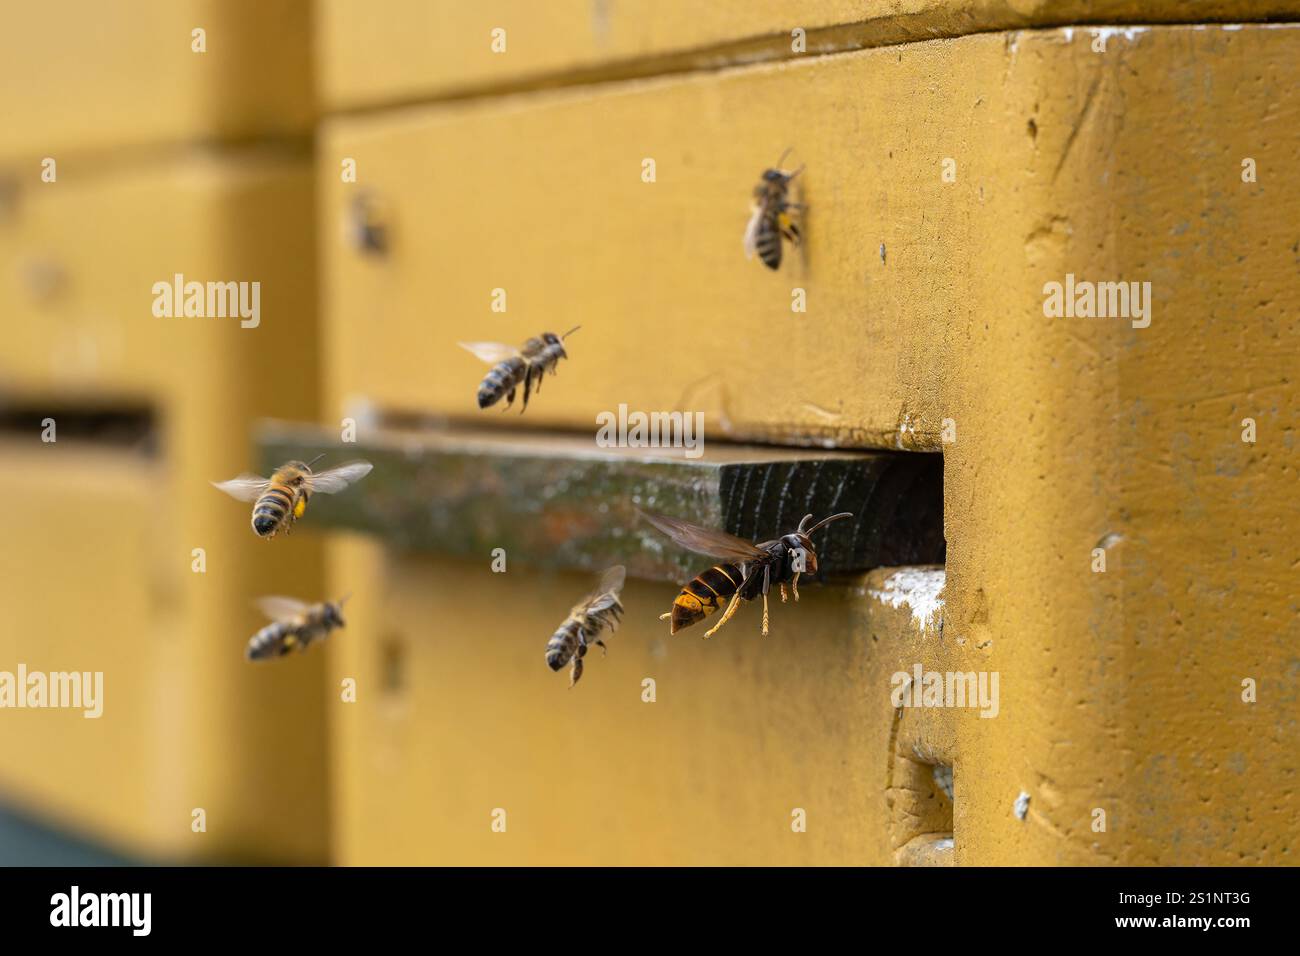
x=705 y=594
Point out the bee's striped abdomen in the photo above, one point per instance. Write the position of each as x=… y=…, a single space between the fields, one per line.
x=274 y=640
x=503 y=378
x=768 y=242
x=270 y=510
x=564 y=643
x=705 y=594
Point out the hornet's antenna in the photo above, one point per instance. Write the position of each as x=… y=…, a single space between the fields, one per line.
x=813 y=530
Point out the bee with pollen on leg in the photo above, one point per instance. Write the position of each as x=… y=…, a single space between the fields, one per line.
x=281 y=500
x=771 y=218
x=295 y=625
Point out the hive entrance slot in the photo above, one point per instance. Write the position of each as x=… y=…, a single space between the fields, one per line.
x=126 y=427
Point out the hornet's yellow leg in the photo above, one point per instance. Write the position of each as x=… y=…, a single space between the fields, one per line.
x=794 y=585
x=765 y=615
x=783 y=596
x=726 y=616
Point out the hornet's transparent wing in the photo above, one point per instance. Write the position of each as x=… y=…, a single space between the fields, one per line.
x=706 y=541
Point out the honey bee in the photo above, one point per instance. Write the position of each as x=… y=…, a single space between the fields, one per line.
x=280 y=500
x=295 y=625
x=751 y=569
x=579 y=631
x=512 y=367
x=771 y=219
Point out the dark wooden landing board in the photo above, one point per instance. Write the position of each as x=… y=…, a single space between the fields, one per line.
x=558 y=500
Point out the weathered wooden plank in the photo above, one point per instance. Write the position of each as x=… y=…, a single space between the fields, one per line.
x=559 y=501
x=388 y=51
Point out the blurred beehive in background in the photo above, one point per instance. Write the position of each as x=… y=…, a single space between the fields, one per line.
x=167 y=161
x=958 y=156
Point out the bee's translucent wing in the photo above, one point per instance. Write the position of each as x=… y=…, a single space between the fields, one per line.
x=491 y=352
x=605 y=593
x=336 y=479
x=246 y=487
x=281 y=608
x=751 y=231
x=612 y=580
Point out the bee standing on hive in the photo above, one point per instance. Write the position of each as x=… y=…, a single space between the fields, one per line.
x=771 y=218
x=512 y=367
x=601 y=608
x=295 y=625
x=750 y=571
x=280 y=500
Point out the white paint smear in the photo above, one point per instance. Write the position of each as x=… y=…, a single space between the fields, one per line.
x=920 y=589
x=1128 y=33
x=1021 y=809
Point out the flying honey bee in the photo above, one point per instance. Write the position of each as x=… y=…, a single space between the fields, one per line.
x=771 y=219
x=280 y=500
x=601 y=608
x=512 y=367
x=751 y=569
x=295 y=625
